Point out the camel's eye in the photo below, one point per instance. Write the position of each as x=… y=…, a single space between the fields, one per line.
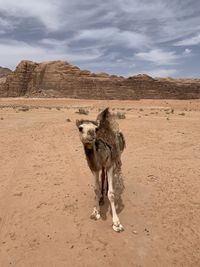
x=96 y=130
x=80 y=129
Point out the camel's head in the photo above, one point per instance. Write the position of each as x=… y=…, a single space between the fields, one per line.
x=88 y=130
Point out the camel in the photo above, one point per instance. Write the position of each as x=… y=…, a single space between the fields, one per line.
x=103 y=144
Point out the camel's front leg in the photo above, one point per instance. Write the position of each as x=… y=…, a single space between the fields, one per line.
x=96 y=210
x=116 y=223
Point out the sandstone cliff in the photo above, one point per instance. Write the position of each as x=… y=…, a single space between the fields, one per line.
x=4 y=72
x=61 y=79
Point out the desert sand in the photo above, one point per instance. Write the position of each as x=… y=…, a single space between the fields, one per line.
x=46 y=188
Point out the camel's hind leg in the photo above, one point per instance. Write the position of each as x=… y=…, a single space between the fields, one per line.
x=116 y=223
x=96 y=210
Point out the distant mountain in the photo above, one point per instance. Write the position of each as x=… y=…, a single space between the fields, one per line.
x=61 y=79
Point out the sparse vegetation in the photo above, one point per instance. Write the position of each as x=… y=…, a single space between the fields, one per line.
x=24 y=108
x=83 y=111
x=182 y=114
x=119 y=115
x=2 y=118
x=141 y=109
x=58 y=108
x=68 y=120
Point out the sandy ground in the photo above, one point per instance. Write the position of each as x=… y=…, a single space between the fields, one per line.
x=46 y=188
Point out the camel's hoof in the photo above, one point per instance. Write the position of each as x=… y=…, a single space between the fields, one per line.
x=117 y=227
x=95 y=215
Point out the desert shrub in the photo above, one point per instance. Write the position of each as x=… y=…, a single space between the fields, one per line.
x=141 y=109
x=1 y=118
x=68 y=120
x=182 y=114
x=119 y=115
x=58 y=108
x=83 y=111
x=24 y=108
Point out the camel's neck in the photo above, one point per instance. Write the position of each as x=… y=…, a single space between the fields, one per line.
x=91 y=156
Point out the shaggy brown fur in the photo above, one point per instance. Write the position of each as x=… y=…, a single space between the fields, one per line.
x=103 y=144
x=110 y=134
x=109 y=143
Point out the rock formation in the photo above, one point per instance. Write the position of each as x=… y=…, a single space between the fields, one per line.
x=61 y=79
x=4 y=72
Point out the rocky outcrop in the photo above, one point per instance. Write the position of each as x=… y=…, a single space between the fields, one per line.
x=4 y=72
x=61 y=79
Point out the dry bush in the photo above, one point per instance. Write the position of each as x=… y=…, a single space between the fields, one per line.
x=119 y=115
x=24 y=108
x=83 y=111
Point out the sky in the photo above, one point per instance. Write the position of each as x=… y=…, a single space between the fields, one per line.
x=122 y=37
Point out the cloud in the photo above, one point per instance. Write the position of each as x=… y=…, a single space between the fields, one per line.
x=46 y=11
x=187 y=51
x=11 y=53
x=117 y=36
x=113 y=36
x=195 y=40
x=158 y=57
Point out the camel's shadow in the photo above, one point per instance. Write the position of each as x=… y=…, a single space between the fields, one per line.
x=106 y=207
